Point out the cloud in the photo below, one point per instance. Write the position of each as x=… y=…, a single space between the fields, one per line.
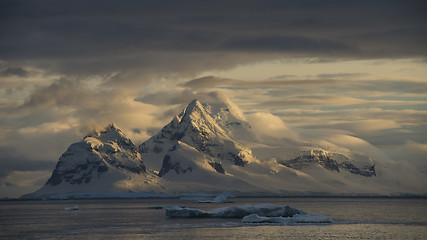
x=368 y=126
x=324 y=100
x=14 y=71
x=20 y=179
x=168 y=96
x=195 y=36
x=215 y=82
x=76 y=100
x=330 y=83
x=283 y=76
x=299 y=44
x=342 y=75
x=401 y=86
x=12 y=161
x=50 y=127
x=207 y=82
x=411 y=151
x=266 y=124
x=382 y=127
x=311 y=101
x=414 y=148
x=56 y=115
x=304 y=117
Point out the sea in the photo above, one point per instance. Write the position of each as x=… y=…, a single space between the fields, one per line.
x=354 y=218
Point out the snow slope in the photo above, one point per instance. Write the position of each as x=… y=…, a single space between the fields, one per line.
x=105 y=161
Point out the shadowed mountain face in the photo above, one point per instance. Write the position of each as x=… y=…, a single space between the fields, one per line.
x=333 y=162
x=95 y=155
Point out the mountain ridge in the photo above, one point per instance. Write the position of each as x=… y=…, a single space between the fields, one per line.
x=200 y=151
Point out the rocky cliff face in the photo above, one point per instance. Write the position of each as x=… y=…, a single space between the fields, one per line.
x=333 y=162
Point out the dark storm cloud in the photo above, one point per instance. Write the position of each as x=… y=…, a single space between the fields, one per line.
x=97 y=36
x=11 y=161
x=298 y=44
x=14 y=71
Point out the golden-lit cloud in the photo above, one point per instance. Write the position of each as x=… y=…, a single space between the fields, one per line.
x=266 y=124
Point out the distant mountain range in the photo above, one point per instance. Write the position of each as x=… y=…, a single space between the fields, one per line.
x=210 y=147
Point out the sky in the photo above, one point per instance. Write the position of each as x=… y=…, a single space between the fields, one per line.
x=67 y=67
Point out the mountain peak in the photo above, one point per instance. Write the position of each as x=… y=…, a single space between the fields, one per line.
x=198 y=127
x=194 y=103
x=111 y=133
x=109 y=129
x=99 y=153
x=194 y=107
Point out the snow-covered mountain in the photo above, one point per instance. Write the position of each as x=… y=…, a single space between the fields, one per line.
x=197 y=149
x=104 y=161
x=362 y=166
x=210 y=147
x=200 y=128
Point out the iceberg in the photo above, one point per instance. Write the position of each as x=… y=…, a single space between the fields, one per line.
x=72 y=208
x=297 y=218
x=264 y=210
x=180 y=212
x=220 y=198
x=162 y=207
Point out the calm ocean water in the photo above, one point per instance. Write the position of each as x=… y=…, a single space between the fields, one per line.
x=355 y=218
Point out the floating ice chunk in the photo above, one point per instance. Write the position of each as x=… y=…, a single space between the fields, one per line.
x=220 y=198
x=166 y=207
x=298 y=218
x=72 y=208
x=155 y=207
x=226 y=194
x=163 y=207
x=265 y=210
x=254 y=218
x=179 y=212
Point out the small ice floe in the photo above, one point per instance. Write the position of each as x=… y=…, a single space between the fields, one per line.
x=72 y=208
x=298 y=218
x=220 y=198
x=265 y=210
x=162 y=207
x=155 y=207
